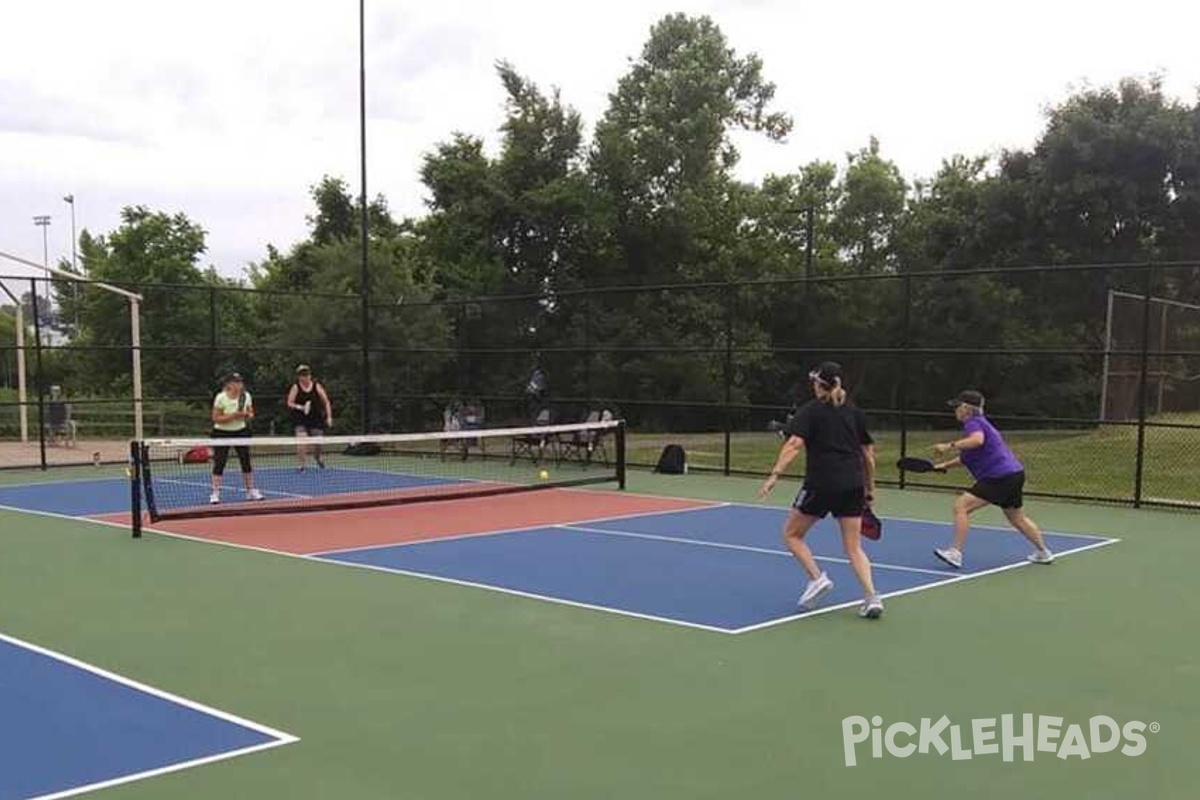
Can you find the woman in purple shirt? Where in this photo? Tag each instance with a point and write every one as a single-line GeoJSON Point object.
{"type": "Point", "coordinates": [999, 479]}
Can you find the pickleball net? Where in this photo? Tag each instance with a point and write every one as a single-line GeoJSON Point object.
{"type": "Point", "coordinates": [173, 478]}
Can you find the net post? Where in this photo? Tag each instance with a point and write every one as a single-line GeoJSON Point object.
{"type": "Point", "coordinates": [135, 487]}
{"type": "Point", "coordinates": [621, 454]}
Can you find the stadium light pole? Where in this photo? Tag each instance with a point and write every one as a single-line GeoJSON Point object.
{"type": "Point", "coordinates": [365, 288]}
{"type": "Point", "coordinates": [70, 200]}
{"type": "Point", "coordinates": [43, 222]}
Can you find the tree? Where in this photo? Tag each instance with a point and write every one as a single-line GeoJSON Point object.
{"type": "Point", "coordinates": [667, 210]}
{"type": "Point", "coordinates": [308, 310]}
{"type": "Point", "coordinates": [872, 202]}
{"type": "Point", "coordinates": [149, 251]}
{"type": "Point", "coordinates": [663, 152]}
{"type": "Point", "coordinates": [1109, 171]}
{"type": "Point", "coordinates": [335, 219]}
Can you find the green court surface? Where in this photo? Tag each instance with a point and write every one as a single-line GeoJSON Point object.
{"type": "Point", "coordinates": [407, 688]}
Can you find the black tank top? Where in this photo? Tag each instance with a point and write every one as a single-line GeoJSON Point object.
{"type": "Point", "coordinates": [315, 418]}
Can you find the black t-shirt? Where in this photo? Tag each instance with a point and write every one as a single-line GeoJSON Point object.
{"type": "Point", "coordinates": [315, 418]}
{"type": "Point", "coordinates": [833, 441]}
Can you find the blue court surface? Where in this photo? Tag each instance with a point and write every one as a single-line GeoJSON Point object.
{"type": "Point", "coordinates": [68, 728]}
{"type": "Point", "coordinates": [721, 568]}
{"type": "Point", "coordinates": [190, 486]}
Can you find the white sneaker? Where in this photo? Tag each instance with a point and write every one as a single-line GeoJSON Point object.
{"type": "Point", "coordinates": [1040, 557]}
{"type": "Point", "coordinates": [214, 498]}
{"type": "Point", "coordinates": [951, 555]}
{"type": "Point", "coordinates": [872, 608]}
{"type": "Point", "coordinates": [814, 590]}
{"type": "Point", "coordinates": [255, 494]}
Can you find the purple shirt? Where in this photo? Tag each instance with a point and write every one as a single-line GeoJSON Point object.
{"type": "Point", "coordinates": [994, 459]}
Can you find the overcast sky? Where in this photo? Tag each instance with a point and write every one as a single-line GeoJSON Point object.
{"type": "Point", "coordinates": [228, 110]}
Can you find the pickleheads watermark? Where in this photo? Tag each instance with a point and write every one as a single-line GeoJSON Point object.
{"type": "Point", "coordinates": [1008, 736]}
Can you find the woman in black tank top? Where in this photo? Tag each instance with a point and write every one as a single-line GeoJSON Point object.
{"type": "Point", "coordinates": [311, 412]}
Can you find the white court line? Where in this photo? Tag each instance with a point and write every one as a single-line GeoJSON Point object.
{"type": "Point", "coordinates": [316, 558]}
{"type": "Point", "coordinates": [280, 737]}
{"type": "Point", "coordinates": [562, 601]}
{"type": "Point", "coordinates": [230, 489]}
{"type": "Point", "coordinates": [937, 522]}
{"type": "Point", "coordinates": [747, 548]}
{"type": "Point", "coordinates": [784, 509]}
{"type": "Point", "coordinates": [125, 526]}
{"type": "Point", "coordinates": [652, 495]}
{"type": "Point", "coordinates": [456, 537]}
{"type": "Point", "coordinates": [922, 587]}
{"type": "Point", "coordinates": [320, 557]}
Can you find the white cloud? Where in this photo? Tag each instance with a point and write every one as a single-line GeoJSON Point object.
{"type": "Point", "coordinates": [228, 110]}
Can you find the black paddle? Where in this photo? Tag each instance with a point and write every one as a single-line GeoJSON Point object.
{"type": "Point", "coordinates": [917, 465]}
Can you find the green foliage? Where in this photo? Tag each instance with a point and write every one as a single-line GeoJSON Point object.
{"type": "Point", "coordinates": [149, 251]}
{"type": "Point", "coordinates": [309, 309]}
{"type": "Point", "coordinates": [872, 204]}
{"type": "Point", "coordinates": [651, 200]}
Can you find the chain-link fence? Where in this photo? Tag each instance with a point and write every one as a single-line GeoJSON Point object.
{"type": "Point", "coordinates": [1091, 371]}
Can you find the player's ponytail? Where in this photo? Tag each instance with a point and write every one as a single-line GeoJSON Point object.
{"type": "Point", "coordinates": [831, 392]}
{"type": "Point", "coordinates": [837, 395]}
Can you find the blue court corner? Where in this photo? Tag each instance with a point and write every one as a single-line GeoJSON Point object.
{"type": "Point", "coordinates": [68, 728]}
{"type": "Point", "coordinates": [721, 568]}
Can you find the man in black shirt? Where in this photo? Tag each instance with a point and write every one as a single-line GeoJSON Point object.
{"type": "Point", "coordinates": [839, 480]}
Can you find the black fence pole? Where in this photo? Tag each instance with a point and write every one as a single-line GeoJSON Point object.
{"type": "Point", "coordinates": [1139, 472]}
{"type": "Point", "coordinates": [40, 384]}
{"type": "Point", "coordinates": [727, 415]}
{"type": "Point", "coordinates": [212, 334]}
{"type": "Point", "coordinates": [365, 288]}
{"type": "Point", "coordinates": [587, 349]}
{"type": "Point", "coordinates": [905, 343]}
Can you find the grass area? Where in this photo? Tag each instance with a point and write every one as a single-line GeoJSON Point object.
{"type": "Point", "coordinates": [1098, 463]}
{"type": "Point", "coordinates": [405, 688]}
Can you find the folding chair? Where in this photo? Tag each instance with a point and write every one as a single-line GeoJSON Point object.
{"type": "Point", "coordinates": [582, 446]}
{"type": "Point", "coordinates": [60, 427]}
{"type": "Point", "coordinates": [534, 445]}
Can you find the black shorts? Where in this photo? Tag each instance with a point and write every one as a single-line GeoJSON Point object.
{"type": "Point", "coordinates": [841, 503]}
{"type": "Point", "coordinates": [1007, 491]}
